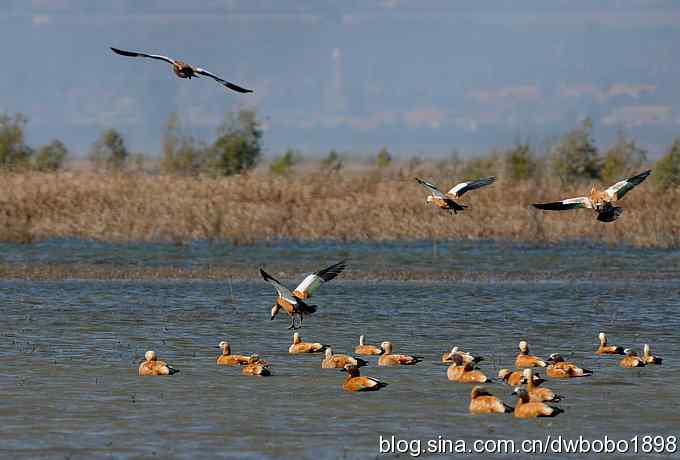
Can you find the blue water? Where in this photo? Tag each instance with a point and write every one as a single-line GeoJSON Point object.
{"type": "Point", "coordinates": [70, 348]}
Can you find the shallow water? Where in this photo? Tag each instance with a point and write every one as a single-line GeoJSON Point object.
{"type": "Point", "coordinates": [70, 349]}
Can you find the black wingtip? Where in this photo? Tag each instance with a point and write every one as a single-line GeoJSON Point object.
{"type": "Point", "coordinates": [122, 52]}
{"type": "Point", "coordinates": [237, 88]}
{"type": "Point", "coordinates": [265, 276]}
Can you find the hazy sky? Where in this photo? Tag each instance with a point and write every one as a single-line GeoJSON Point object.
{"type": "Point", "coordinates": [417, 76]}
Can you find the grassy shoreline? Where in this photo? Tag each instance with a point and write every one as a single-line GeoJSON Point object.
{"type": "Point", "coordinates": [358, 206]}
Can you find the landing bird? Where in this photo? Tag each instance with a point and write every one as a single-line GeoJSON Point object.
{"type": "Point", "coordinates": [599, 201]}
{"type": "Point", "coordinates": [445, 200]}
{"type": "Point", "coordinates": [182, 69]}
{"type": "Point", "coordinates": [293, 302]}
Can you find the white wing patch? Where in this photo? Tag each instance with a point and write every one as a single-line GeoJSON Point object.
{"type": "Point", "coordinates": [611, 191]}
{"type": "Point", "coordinates": [582, 200]}
{"type": "Point", "coordinates": [309, 286]}
{"type": "Point", "coordinates": [164, 58]}
{"type": "Point", "coordinates": [454, 190]}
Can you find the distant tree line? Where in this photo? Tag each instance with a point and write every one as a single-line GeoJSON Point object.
{"type": "Point", "coordinates": [237, 149]}
{"type": "Point", "coordinates": [16, 154]}
{"type": "Point", "coordinates": [574, 158]}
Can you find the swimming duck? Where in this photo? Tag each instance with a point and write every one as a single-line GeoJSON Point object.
{"type": "Point", "coordinates": [537, 393]}
{"type": "Point", "coordinates": [605, 349]}
{"type": "Point", "coordinates": [649, 358]}
{"type": "Point", "coordinates": [467, 357]}
{"type": "Point", "coordinates": [525, 408]}
{"type": "Point", "coordinates": [299, 346]}
{"type": "Point", "coordinates": [631, 359]}
{"type": "Point", "coordinates": [183, 70]}
{"type": "Point", "coordinates": [332, 361]}
{"type": "Point", "coordinates": [355, 382]}
{"type": "Point", "coordinates": [599, 201]}
{"type": "Point", "coordinates": [363, 349]}
{"type": "Point", "coordinates": [524, 359]}
{"type": "Point", "coordinates": [389, 359]}
{"type": "Point", "coordinates": [227, 359]}
{"type": "Point", "coordinates": [256, 366]}
{"type": "Point", "coordinates": [559, 368]}
{"type": "Point", "coordinates": [294, 302]}
{"type": "Point", "coordinates": [446, 200]}
{"type": "Point", "coordinates": [151, 366]}
{"type": "Point", "coordinates": [515, 378]}
{"type": "Point", "coordinates": [483, 402]}
{"type": "Point", "coordinates": [463, 372]}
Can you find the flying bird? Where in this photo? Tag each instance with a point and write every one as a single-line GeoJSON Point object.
{"type": "Point", "coordinates": [599, 201]}
{"type": "Point", "coordinates": [446, 200]}
{"type": "Point", "coordinates": [183, 70]}
{"type": "Point", "coordinates": [294, 302]}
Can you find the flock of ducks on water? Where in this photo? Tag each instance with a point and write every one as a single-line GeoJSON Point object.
{"type": "Point", "coordinates": [533, 397]}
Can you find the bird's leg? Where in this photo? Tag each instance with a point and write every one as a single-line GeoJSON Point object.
{"type": "Point", "coordinates": [292, 323]}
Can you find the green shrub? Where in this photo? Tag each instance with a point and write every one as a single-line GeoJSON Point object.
{"type": "Point", "coordinates": [520, 163]}
{"type": "Point", "coordinates": [575, 157]}
{"type": "Point", "coordinates": [182, 154]}
{"type": "Point", "coordinates": [50, 157]}
{"type": "Point", "coordinates": [109, 152]}
{"type": "Point", "coordinates": [332, 163]}
{"type": "Point", "coordinates": [284, 163]}
{"type": "Point", "coordinates": [384, 159]}
{"type": "Point", "coordinates": [667, 169]}
{"type": "Point", "coordinates": [14, 153]}
{"type": "Point", "coordinates": [623, 159]}
{"type": "Point", "coordinates": [238, 147]}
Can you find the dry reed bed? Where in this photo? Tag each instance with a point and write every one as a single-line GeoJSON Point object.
{"type": "Point", "coordinates": [353, 206]}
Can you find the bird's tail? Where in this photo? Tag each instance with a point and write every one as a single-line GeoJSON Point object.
{"type": "Point", "coordinates": [457, 207]}
{"type": "Point", "coordinates": [307, 309]}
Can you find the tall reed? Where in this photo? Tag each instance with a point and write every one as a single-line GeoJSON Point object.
{"type": "Point", "coordinates": [368, 205]}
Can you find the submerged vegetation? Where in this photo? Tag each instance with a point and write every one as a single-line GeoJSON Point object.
{"type": "Point", "coordinates": [223, 191]}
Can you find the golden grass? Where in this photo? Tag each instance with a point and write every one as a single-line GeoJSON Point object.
{"type": "Point", "coordinates": [312, 206]}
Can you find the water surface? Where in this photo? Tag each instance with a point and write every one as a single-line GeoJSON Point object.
{"type": "Point", "coordinates": [70, 348]}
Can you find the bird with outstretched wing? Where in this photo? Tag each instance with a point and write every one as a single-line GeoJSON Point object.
{"type": "Point", "coordinates": [182, 69]}
{"type": "Point", "coordinates": [293, 302]}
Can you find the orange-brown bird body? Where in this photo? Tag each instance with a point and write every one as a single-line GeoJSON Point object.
{"type": "Point", "coordinates": [367, 350]}
{"type": "Point", "coordinates": [298, 346]}
{"type": "Point", "coordinates": [227, 359]}
{"type": "Point", "coordinates": [152, 366]}
{"type": "Point", "coordinates": [525, 408]}
{"type": "Point", "coordinates": [390, 359]}
{"type": "Point", "coordinates": [356, 382]}
{"type": "Point", "coordinates": [631, 359]}
{"type": "Point", "coordinates": [483, 402]}
{"type": "Point", "coordinates": [605, 349]}
{"type": "Point", "coordinates": [524, 359]}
